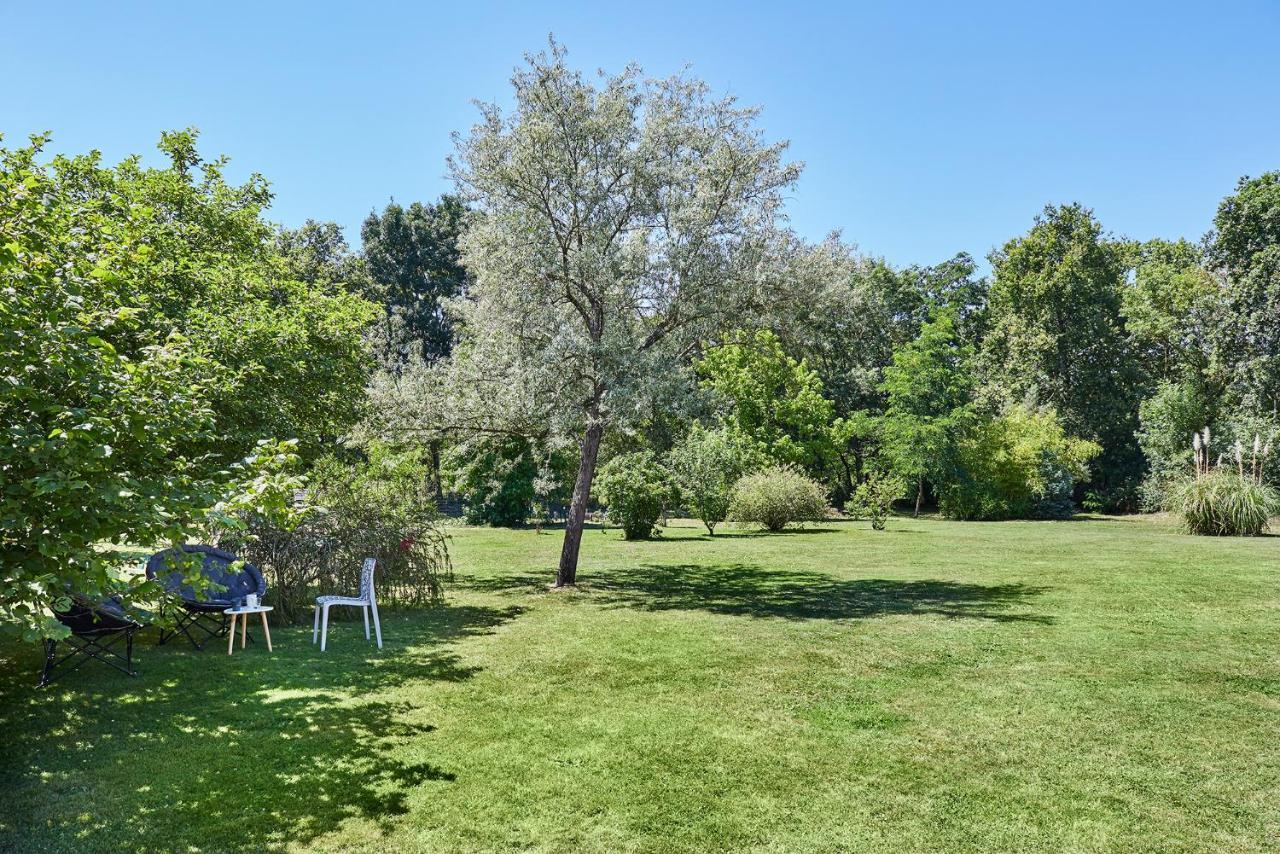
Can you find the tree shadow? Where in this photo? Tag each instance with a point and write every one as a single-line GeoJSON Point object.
{"type": "Point", "coordinates": [746, 590]}
{"type": "Point", "coordinates": [205, 750]}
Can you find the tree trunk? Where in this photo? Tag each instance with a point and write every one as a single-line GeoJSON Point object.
{"type": "Point", "coordinates": [919, 495]}
{"type": "Point", "coordinates": [567, 573]}
{"type": "Point", "coordinates": [435, 472]}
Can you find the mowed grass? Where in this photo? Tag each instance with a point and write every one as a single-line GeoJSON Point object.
{"type": "Point", "coordinates": [1104, 684]}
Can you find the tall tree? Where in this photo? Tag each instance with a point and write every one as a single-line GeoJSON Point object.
{"type": "Point", "coordinates": [1055, 333]}
{"type": "Point", "coordinates": [413, 257]}
{"type": "Point", "coordinates": [928, 387]}
{"type": "Point", "coordinates": [619, 224]}
{"type": "Point", "coordinates": [774, 402]}
{"type": "Point", "coordinates": [1245, 253]}
{"type": "Point", "coordinates": [1168, 308]}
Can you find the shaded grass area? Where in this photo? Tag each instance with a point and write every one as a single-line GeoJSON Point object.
{"type": "Point", "coordinates": [1099, 685]}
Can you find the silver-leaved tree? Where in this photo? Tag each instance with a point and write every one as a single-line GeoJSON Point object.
{"type": "Point", "coordinates": [620, 223]}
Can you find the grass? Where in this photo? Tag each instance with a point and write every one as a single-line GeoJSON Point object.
{"type": "Point", "coordinates": [1106, 684]}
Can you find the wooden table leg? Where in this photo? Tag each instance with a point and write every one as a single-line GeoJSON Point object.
{"type": "Point", "coordinates": [266, 631]}
{"type": "Point", "coordinates": [231, 635]}
{"type": "Point", "coordinates": [244, 629]}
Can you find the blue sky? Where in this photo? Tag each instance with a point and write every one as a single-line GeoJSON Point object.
{"type": "Point", "coordinates": [927, 128]}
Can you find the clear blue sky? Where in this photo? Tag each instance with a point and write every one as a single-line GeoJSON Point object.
{"type": "Point", "coordinates": [926, 128]}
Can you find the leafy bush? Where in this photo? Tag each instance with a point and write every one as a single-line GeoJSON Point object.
{"type": "Point", "coordinates": [874, 498]}
{"type": "Point", "coordinates": [382, 509]}
{"type": "Point", "coordinates": [1221, 503]}
{"type": "Point", "coordinates": [635, 489]}
{"type": "Point", "coordinates": [705, 466]}
{"type": "Point", "coordinates": [777, 497]}
{"type": "Point", "coordinates": [495, 476]}
{"type": "Point", "coordinates": [1166, 419]}
{"type": "Point", "coordinates": [1019, 465]}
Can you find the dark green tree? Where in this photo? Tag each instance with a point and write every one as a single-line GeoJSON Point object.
{"type": "Point", "coordinates": [1056, 334]}
{"type": "Point", "coordinates": [1244, 252]}
{"type": "Point", "coordinates": [413, 258]}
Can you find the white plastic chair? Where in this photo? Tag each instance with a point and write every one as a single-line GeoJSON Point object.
{"type": "Point", "coordinates": [365, 601]}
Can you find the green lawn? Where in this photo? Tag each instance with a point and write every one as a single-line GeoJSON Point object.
{"type": "Point", "coordinates": [1088, 685]}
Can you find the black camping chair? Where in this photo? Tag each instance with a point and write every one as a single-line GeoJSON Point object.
{"type": "Point", "coordinates": [96, 629]}
{"type": "Point", "coordinates": [202, 617]}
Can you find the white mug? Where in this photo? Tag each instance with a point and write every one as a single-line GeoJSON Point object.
{"type": "Point", "coordinates": [251, 601]}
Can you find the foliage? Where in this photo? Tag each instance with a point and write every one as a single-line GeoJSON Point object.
{"type": "Point", "coordinates": [1223, 504]}
{"type": "Point", "coordinates": [382, 508]}
{"type": "Point", "coordinates": [928, 387]}
{"type": "Point", "coordinates": [874, 497]}
{"type": "Point", "coordinates": [185, 252]}
{"type": "Point", "coordinates": [1056, 333]}
{"type": "Point", "coordinates": [1021, 464]}
{"type": "Point", "coordinates": [704, 466]}
{"type": "Point", "coordinates": [635, 488]}
{"type": "Point", "coordinates": [495, 475]}
{"type": "Point", "coordinates": [776, 497]}
{"type": "Point", "coordinates": [1166, 419]}
{"type": "Point", "coordinates": [617, 226]}
{"type": "Point", "coordinates": [1168, 309]}
{"type": "Point", "coordinates": [775, 402]}
{"type": "Point", "coordinates": [414, 260]}
{"type": "Point", "coordinates": [98, 429]}
{"type": "Point", "coordinates": [1245, 254]}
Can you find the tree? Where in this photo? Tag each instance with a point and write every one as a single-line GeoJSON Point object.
{"type": "Point", "coordinates": [1168, 308]}
{"type": "Point", "coordinates": [705, 465]}
{"type": "Point", "coordinates": [95, 437]}
{"type": "Point", "coordinates": [1056, 335]}
{"type": "Point", "coordinates": [317, 253]}
{"type": "Point", "coordinates": [413, 257]}
{"type": "Point", "coordinates": [1244, 252]}
{"type": "Point", "coordinates": [1020, 464]}
{"type": "Point", "coordinates": [774, 402]}
{"type": "Point", "coordinates": [618, 226]}
{"type": "Point", "coordinates": [205, 264]}
{"type": "Point", "coordinates": [928, 388]}
{"type": "Point", "coordinates": [495, 476]}
{"type": "Point", "coordinates": [150, 339]}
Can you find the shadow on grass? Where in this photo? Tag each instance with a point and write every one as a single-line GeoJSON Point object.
{"type": "Point", "coordinates": [204, 750]}
{"type": "Point", "coordinates": [746, 590]}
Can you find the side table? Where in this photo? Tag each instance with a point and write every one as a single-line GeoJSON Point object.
{"type": "Point", "coordinates": [243, 613]}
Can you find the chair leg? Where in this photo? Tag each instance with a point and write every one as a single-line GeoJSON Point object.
{"type": "Point", "coordinates": [315, 626]}
{"type": "Point", "coordinates": [365, 610]}
{"type": "Point", "coordinates": [128, 651]}
{"type": "Point", "coordinates": [377, 623]}
{"type": "Point", "coordinates": [324, 626]}
{"type": "Point", "coordinates": [49, 647]}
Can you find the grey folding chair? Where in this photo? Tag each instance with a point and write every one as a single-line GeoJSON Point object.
{"type": "Point", "coordinates": [366, 601]}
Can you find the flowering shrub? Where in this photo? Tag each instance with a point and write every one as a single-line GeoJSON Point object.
{"type": "Point", "coordinates": [382, 509]}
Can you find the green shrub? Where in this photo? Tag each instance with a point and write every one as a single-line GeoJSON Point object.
{"type": "Point", "coordinates": [705, 466]}
{"type": "Point", "coordinates": [635, 489]}
{"type": "Point", "coordinates": [1221, 503]}
{"type": "Point", "coordinates": [495, 476]}
{"type": "Point", "coordinates": [777, 497]}
{"type": "Point", "coordinates": [1019, 465]}
{"type": "Point", "coordinates": [382, 509]}
{"type": "Point", "coordinates": [874, 498]}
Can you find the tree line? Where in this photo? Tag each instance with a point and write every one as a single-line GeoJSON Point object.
{"type": "Point", "coordinates": [614, 275]}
